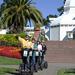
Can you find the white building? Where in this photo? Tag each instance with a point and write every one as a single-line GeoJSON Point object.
{"type": "Point", "coordinates": [63, 27]}
{"type": "Point", "coordinates": [3, 31]}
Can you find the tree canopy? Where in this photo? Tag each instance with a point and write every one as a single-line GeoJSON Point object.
{"type": "Point", "coordinates": [16, 13]}
{"type": "Point", "coordinates": [61, 9]}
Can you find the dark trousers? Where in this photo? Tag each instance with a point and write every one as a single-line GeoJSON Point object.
{"type": "Point", "coordinates": [25, 58]}
{"type": "Point", "coordinates": [33, 57]}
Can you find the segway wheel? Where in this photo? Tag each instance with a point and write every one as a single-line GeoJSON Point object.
{"type": "Point", "coordinates": [46, 65]}
{"type": "Point", "coordinates": [41, 66]}
{"type": "Point", "coordinates": [30, 73]}
{"type": "Point", "coordinates": [32, 69]}
{"type": "Point", "coordinates": [21, 68]}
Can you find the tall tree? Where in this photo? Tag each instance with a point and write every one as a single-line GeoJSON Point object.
{"type": "Point", "coordinates": [16, 13]}
{"type": "Point", "coordinates": [61, 9]}
{"type": "Point", "coordinates": [46, 20]}
{"type": "Point", "coordinates": [52, 16]}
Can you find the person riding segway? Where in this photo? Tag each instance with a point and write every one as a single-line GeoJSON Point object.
{"type": "Point", "coordinates": [44, 49]}
{"type": "Point", "coordinates": [34, 58]}
{"type": "Point", "coordinates": [25, 49]}
{"type": "Point", "coordinates": [42, 39]}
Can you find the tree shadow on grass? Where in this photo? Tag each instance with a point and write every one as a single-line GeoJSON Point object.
{"type": "Point", "coordinates": [70, 71]}
{"type": "Point", "coordinates": [13, 73]}
{"type": "Point", "coordinates": [6, 70]}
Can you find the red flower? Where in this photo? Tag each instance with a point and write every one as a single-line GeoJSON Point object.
{"type": "Point", "coordinates": [9, 51]}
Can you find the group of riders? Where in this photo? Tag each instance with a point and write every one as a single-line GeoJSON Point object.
{"type": "Point", "coordinates": [34, 45]}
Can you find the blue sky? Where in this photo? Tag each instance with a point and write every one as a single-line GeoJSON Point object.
{"type": "Point", "coordinates": [47, 6]}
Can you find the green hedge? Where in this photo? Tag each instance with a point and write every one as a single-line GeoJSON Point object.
{"type": "Point", "coordinates": [10, 39]}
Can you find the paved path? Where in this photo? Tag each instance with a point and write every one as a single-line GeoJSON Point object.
{"type": "Point", "coordinates": [52, 69]}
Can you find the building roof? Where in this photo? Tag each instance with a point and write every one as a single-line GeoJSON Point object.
{"type": "Point", "coordinates": [68, 17]}
{"type": "Point", "coordinates": [69, 3]}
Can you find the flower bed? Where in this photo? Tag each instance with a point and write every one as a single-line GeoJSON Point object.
{"type": "Point", "coordinates": [10, 51]}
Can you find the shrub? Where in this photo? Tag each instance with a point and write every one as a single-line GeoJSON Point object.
{"type": "Point", "coordinates": [23, 34]}
{"type": "Point", "coordinates": [10, 39]}
{"type": "Point", "coordinates": [10, 51]}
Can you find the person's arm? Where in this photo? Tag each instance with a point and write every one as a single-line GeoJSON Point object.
{"type": "Point", "coordinates": [21, 39]}
{"type": "Point", "coordinates": [22, 42]}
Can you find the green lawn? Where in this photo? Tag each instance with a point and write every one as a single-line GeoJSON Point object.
{"type": "Point", "coordinates": [66, 72]}
{"type": "Point", "coordinates": [9, 61]}
{"type": "Point", "coordinates": [4, 70]}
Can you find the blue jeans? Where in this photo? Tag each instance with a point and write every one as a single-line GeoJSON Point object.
{"type": "Point", "coordinates": [33, 57]}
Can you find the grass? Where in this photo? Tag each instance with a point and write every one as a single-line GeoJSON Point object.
{"type": "Point", "coordinates": [4, 70]}
{"type": "Point", "coordinates": [9, 61]}
{"type": "Point", "coordinates": [66, 72]}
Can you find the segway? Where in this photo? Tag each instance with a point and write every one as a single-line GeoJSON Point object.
{"type": "Point", "coordinates": [34, 67]}
{"type": "Point", "coordinates": [31, 66]}
{"type": "Point", "coordinates": [38, 60]}
{"type": "Point", "coordinates": [23, 68]}
{"type": "Point", "coordinates": [42, 63]}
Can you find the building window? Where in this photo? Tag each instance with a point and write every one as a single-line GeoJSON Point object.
{"type": "Point", "coordinates": [74, 18]}
{"type": "Point", "coordinates": [70, 35]}
{"type": "Point", "coordinates": [66, 25]}
{"type": "Point", "coordinates": [55, 26]}
{"type": "Point", "coordinates": [70, 25]}
{"type": "Point", "coordinates": [74, 35]}
{"type": "Point", "coordinates": [73, 25]}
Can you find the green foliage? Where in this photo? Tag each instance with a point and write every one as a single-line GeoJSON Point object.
{"type": "Point", "coordinates": [52, 16]}
{"type": "Point", "coordinates": [46, 21]}
{"type": "Point", "coordinates": [61, 72]}
{"type": "Point", "coordinates": [10, 39]}
{"type": "Point", "coordinates": [15, 14]}
{"type": "Point", "coordinates": [9, 61]}
{"type": "Point", "coordinates": [23, 34]}
{"type": "Point", "coordinates": [61, 8]}
{"type": "Point", "coordinates": [66, 72]}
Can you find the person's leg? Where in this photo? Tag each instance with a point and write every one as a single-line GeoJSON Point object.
{"type": "Point", "coordinates": [23, 57]}
{"type": "Point", "coordinates": [36, 59]}
{"type": "Point", "coordinates": [39, 58]}
{"type": "Point", "coordinates": [33, 57]}
{"type": "Point", "coordinates": [42, 55]}
{"type": "Point", "coordinates": [28, 56]}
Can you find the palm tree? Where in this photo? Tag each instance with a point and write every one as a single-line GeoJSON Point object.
{"type": "Point", "coordinates": [60, 10]}
{"type": "Point", "coordinates": [16, 13]}
{"type": "Point", "coordinates": [46, 21]}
